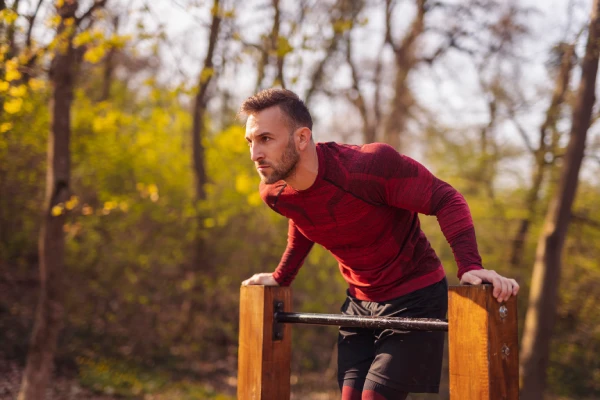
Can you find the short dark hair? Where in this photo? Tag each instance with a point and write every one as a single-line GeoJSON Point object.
{"type": "Point", "coordinates": [295, 110]}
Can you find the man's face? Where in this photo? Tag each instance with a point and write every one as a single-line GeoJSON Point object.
{"type": "Point", "coordinates": [272, 146]}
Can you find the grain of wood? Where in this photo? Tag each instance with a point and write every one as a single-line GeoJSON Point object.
{"type": "Point", "coordinates": [483, 345]}
{"type": "Point", "coordinates": [263, 363]}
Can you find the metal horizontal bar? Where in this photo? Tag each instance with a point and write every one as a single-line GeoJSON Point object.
{"type": "Point", "coordinates": [406, 324]}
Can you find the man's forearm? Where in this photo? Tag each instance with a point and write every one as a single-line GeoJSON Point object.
{"type": "Point", "coordinates": [291, 261]}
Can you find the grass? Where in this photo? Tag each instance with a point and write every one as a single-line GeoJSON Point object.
{"type": "Point", "coordinates": [123, 379]}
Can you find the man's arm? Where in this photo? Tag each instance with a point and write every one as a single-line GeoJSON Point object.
{"type": "Point", "coordinates": [298, 247]}
{"type": "Point", "coordinates": [411, 186]}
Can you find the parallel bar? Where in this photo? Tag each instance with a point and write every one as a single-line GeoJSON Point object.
{"type": "Point", "coordinates": [407, 324]}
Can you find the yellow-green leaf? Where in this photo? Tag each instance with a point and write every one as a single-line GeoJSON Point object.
{"type": "Point", "coordinates": [13, 106]}
{"type": "Point", "coordinates": [5, 127]}
{"type": "Point", "coordinates": [57, 210]}
{"type": "Point", "coordinates": [72, 203]}
{"type": "Point", "coordinates": [36, 84]}
{"type": "Point", "coordinates": [9, 16]}
{"type": "Point", "coordinates": [12, 72]}
{"type": "Point", "coordinates": [110, 205]}
{"type": "Point", "coordinates": [206, 74]}
{"type": "Point", "coordinates": [18, 91]}
{"type": "Point", "coordinates": [94, 54]}
{"type": "Point", "coordinates": [209, 223]}
{"type": "Point", "coordinates": [84, 37]}
{"type": "Point", "coordinates": [283, 46]}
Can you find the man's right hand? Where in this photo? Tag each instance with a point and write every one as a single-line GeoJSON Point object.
{"type": "Point", "coordinates": [264, 278]}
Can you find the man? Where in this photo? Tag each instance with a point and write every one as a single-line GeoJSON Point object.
{"type": "Point", "coordinates": [362, 204]}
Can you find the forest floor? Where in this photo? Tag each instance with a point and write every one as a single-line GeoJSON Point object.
{"type": "Point", "coordinates": [62, 388]}
{"type": "Point", "coordinates": [67, 387]}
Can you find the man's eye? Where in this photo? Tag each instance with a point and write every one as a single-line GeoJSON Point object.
{"type": "Point", "coordinates": [265, 139]}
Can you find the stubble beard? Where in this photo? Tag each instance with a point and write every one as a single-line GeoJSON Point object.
{"type": "Point", "coordinates": [286, 166]}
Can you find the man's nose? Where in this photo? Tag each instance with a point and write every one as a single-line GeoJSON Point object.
{"type": "Point", "coordinates": [256, 153]}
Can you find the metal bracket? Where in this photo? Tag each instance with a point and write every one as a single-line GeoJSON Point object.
{"type": "Point", "coordinates": [277, 326]}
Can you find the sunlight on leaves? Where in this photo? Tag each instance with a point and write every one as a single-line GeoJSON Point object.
{"type": "Point", "coordinates": [5, 127]}
{"type": "Point", "coordinates": [72, 203]}
{"type": "Point", "coordinates": [94, 55]}
{"type": "Point", "coordinates": [57, 210]}
{"type": "Point", "coordinates": [13, 106]}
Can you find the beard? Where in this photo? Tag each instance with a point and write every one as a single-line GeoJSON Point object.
{"type": "Point", "coordinates": [285, 167]}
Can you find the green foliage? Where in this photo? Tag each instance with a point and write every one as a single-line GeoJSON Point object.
{"type": "Point", "coordinates": [23, 134]}
{"type": "Point", "coordinates": [114, 377]}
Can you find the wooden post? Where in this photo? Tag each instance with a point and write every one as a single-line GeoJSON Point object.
{"type": "Point", "coordinates": [264, 353]}
{"type": "Point", "coordinates": [483, 345]}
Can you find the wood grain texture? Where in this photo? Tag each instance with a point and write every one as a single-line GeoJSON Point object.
{"type": "Point", "coordinates": [483, 346]}
{"type": "Point", "coordinates": [504, 350]}
{"type": "Point", "coordinates": [468, 343]}
{"type": "Point", "coordinates": [263, 363]}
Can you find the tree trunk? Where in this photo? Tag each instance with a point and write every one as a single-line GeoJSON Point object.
{"type": "Point", "coordinates": [355, 96]}
{"type": "Point", "coordinates": [271, 49]}
{"type": "Point", "coordinates": [109, 65]}
{"type": "Point", "coordinates": [279, 54]}
{"type": "Point", "coordinates": [49, 314]}
{"type": "Point", "coordinates": [200, 104]}
{"type": "Point", "coordinates": [341, 12]}
{"type": "Point", "coordinates": [539, 172]}
{"type": "Point", "coordinates": [198, 132]}
{"type": "Point", "coordinates": [11, 29]}
{"type": "Point", "coordinates": [405, 62]}
{"type": "Point", "coordinates": [543, 297]}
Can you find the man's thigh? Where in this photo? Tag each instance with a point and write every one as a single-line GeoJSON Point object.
{"type": "Point", "coordinates": [411, 361]}
{"type": "Point", "coordinates": [404, 361]}
{"type": "Point", "coordinates": [356, 352]}
{"type": "Point", "coordinates": [408, 361]}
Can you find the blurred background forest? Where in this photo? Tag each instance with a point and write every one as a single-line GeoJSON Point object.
{"type": "Point", "coordinates": [129, 211]}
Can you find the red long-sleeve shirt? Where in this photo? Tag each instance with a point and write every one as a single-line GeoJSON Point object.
{"type": "Point", "coordinates": [363, 207]}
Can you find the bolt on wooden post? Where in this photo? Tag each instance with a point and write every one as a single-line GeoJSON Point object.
{"type": "Point", "coordinates": [483, 345]}
{"type": "Point", "coordinates": [264, 346]}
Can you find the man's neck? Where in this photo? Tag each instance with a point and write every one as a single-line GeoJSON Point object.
{"type": "Point", "coordinates": [306, 170]}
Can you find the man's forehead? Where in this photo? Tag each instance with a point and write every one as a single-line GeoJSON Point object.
{"type": "Point", "coordinates": [269, 118]}
{"type": "Point", "coordinates": [251, 124]}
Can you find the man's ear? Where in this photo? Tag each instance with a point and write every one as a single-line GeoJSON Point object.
{"type": "Point", "coordinates": [303, 137]}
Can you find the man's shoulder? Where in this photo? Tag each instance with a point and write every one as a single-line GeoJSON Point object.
{"type": "Point", "coordinates": [360, 170]}
{"type": "Point", "coordinates": [357, 158]}
{"type": "Point", "coordinates": [354, 150]}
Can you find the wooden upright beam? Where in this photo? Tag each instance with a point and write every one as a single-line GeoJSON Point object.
{"type": "Point", "coordinates": [483, 345]}
{"type": "Point", "coordinates": [264, 353]}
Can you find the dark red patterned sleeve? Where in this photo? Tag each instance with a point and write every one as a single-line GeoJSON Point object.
{"type": "Point", "coordinates": [411, 186]}
{"type": "Point", "coordinates": [298, 247]}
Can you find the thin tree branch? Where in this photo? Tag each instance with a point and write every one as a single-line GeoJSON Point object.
{"type": "Point", "coordinates": [389, 8]}
{"type": "Point", "coordinates": [97, 4]}
{"type": "Point", "coordinates": [10, 33]}
{"type": "Point", "coordinates": [356, 97]}
{"type": "Point", "coordinates": [585, 220]}
{"type": "Point", "coordinates": [31, 19]}
{"type": "Point", "coordinates": [521, 131]}
{"type": "Point", "coordinates": [333, 45]}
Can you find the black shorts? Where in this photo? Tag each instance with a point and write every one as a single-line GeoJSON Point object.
{"type": "Point", "coordinates": [404, 361]}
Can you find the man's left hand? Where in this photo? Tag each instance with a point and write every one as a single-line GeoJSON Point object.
{"type": "Point", "coordinates": [503, 287]}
